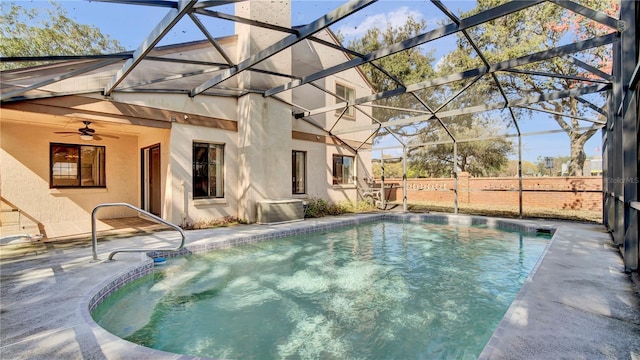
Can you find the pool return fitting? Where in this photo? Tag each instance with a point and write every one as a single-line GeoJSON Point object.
{"type": "Point", "coordinates": [94, 236]}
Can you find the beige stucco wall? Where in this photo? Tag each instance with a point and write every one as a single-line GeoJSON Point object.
{"type": "Point", "coordinates": [316, 169]}
{"type": "Point", "coordinates": [264, 126]}
{"type": "Point", "coordinates": [265, 152]}
{"type": "Point", "coordinates": [310, 56]}
{"type": "Point", "coordinates": [320, 171]}
{"type": "Point", "coordinates": [179, 202]}
{"type": "Point", "coordinates": [253, 40]}
{"type": "Point", "coordinates": [24, 178]}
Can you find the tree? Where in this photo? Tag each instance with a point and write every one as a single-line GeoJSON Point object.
{"type": "Point", "coordinates": [535, 29]}
{"type": "Point", "coordinates": [392, 168]}
{"type": "Point", "coordinates": [528, 169]}
{"type": "Point", "coordinates": [409, 66]}
{"type": "Point", "coordinates": [44, 32]}
{"type": "Point", "coordinates": [478, 157]}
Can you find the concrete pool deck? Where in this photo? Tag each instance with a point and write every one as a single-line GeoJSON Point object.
{"type": "Point", "coordinates": [579, 304]}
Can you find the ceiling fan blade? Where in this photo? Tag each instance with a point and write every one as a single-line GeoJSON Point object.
{"type": "Point", "coordinates": [87, 132]}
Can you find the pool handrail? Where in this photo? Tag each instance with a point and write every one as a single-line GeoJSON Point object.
{"type": "Point", "coordinates": [94, 236]}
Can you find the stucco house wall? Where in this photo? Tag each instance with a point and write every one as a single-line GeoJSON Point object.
{"type": "Point", "coordinates": [24, 179]}
{"type": "Point", "coordinates": [310, 57]}
{"type": "Point", "coordinates": [259, 134]}
{"type": "Point", "coordinates": [182, 208]}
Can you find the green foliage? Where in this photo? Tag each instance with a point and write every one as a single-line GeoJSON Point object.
{"type": "Point", "coordinates": [392, 169]}
{"type": "Point", "coordinates": [528, 169]}
{"type": "Point", "coordinates": [478, 158]}
{"type": "Point", "coordinates": [46, 32]}
{"type": "Point", "coordinates": [357, 207]}
{"type": "Point", "coordinates": [412, 66]}
{"type": "Point", "coordinates": [409, 67]}
{"type": "Point", "coordinates": [214, 223]}
{"type": "Point", "coordinates": [317, 207]}
{"type": "Point", "coordinates": [535, 29]}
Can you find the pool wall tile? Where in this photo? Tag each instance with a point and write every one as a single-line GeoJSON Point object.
{"type": "Point", "coordinates": [113, 284]}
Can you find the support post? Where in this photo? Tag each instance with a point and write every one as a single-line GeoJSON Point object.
{"type": "Point", "coordinates": [455, 177]}
{"type": "Point", "coordinates": [616, 160]}
{"type": "Point", "coordinates": [382, 197]}
{"type": "Point", "coordinates": [629, 145]}
{"type": "Point", "coordinates": [520, 175]}
{"type": "Point", "coordinates": [404, 179]}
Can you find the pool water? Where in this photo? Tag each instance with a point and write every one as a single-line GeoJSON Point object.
{"type": "Point", "coordinates": [386, 290]}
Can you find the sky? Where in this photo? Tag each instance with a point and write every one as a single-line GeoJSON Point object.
{"type": "Point", "coordinates": [130, 24]}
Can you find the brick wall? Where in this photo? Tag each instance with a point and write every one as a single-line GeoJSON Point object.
{"type": "Point", "coordinates": [577, 193]}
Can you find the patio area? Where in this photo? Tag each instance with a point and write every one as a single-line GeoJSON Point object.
{"type": "Point", "coordinates": [578, 304]}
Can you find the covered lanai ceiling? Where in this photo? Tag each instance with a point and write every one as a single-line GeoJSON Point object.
{"type": "Point", "coordinates": [195, 76]}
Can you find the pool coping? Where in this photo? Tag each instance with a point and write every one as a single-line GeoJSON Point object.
{"type": "Point", "coordinates": [503, 325]}
{"type": "Point", "coordinates": [107, 287]}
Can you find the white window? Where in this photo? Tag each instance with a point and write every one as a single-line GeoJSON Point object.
{"type": "Point", "coordinates": [76, 166]}
{"type": "Point", "coordinates": [348, 94]}
{"type": "Point", "coordinates": [342, 169]}
{"type": "Point", "coordinates": [208, 170]}
{"type": "Point", "coordinates": [299, 173]}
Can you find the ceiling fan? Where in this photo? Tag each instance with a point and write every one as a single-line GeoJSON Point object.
{"type": "Point", "coordinates": [87, 133]}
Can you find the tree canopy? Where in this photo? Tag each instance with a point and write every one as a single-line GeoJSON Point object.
{"type": "Point", "coordinates": [406, 67]}
{"type": "Point", "coordinates": [44, 32]}
{"type": "Point", "coordinates": [528, 169]}
{"type": "Point", "coordinates": [414, 65]}
{"type": "Point", "coordinates": [536, 29]}
{"type": "Point", "coordinates": [478, 157]}
{"type": "Point", "coordinates": [392, 168]}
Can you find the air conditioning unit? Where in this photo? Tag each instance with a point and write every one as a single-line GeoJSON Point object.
{"type": "Point", "coordinates": [279, 211]}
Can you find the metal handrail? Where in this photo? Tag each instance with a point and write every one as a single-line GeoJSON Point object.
{"type": "Point", "coordinates": [94, 236]}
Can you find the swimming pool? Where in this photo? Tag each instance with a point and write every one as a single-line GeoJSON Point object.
{"type": "Point", "coordinates": [387, 289]}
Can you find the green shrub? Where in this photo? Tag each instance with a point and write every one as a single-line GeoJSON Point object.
{"type": "Point", "coordinates": [360, 206]}
{"type": "Point", "coordinates": [317, 207]}
{"type": "Point", "coordinates": [334, 209]}
{"type": "Point", "coordinates": [214, 223]}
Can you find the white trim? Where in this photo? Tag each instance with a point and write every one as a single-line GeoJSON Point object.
{"type": "Point", "coordinates": [206, 202]}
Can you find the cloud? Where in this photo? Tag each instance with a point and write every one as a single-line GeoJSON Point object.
{"type": "Point", "coordinates": [393, 18]}
{"type": "Point", "coordinates": [439, 63]}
